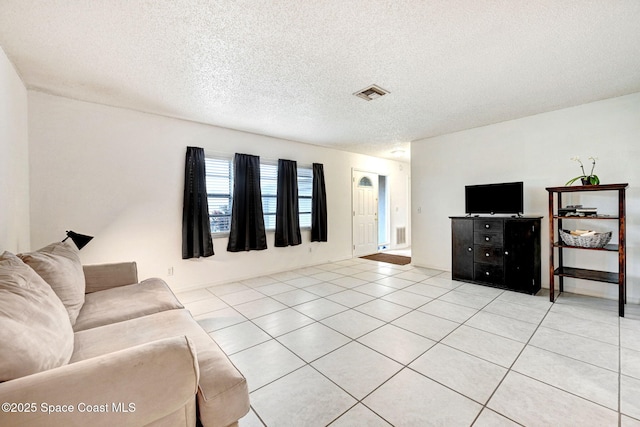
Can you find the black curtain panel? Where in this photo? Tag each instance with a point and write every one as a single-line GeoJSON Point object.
{"type": "Point", "coordinates": [318, 205]}
{"type": "Point", "coordinates": [287, 212]}
{"type": "Point", "coordinates": [196, 231]}
{"type": "Point", "coordinates": [247, 220]}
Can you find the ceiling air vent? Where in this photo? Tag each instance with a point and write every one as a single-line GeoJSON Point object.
{"type": "Point", "coordinates": [371, 93]}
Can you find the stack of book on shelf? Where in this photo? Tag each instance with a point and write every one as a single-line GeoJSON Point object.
{"type": "Point", "coordinates": [587, 211]}
{"type": "Point", "coordinates": [577, 210]}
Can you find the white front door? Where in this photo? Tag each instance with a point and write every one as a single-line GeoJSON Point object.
{"type": "Point", "coordinates": [365, 213]}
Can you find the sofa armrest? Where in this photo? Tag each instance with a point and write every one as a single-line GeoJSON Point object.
{"type": "Point", "coordinates": [131, 387]}
{"type": "Point", "coordinates": [99, 277]}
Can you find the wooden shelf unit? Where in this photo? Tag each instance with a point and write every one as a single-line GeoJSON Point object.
{"type": "Point", "coordinates": [555, 225]}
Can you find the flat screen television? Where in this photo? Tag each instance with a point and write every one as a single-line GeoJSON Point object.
{"type": "Point", "coordinates": [502, 198]}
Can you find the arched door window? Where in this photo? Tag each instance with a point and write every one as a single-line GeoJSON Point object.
{"type": "Point", "coordinates": [365, 182]}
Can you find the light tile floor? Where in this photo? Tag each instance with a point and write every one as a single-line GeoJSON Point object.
{"type": "Point", "coordinates": [362, 343]}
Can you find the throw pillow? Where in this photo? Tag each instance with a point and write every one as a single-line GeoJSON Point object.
{"type": "Point", "coordinates": [59, 265]}
{"type": "Point", "coordinates": [34, 326]}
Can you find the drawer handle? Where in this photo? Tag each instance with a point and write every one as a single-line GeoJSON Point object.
{"type": "Point", "coordinates": [506, 252]}
{"type": "Point", "coordinates": [486, 238]}
{"type": "Point", "coordinates": [486, 272]}
{"type": "Point", "coordinates": [486, 226]}
{"type": "Point", "coordinates": [469, 249]}
{"type": "Point", "coordinates": [487, 254]}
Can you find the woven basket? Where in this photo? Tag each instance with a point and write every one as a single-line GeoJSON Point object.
{"type": "Point", "coordinates": [598, 240]}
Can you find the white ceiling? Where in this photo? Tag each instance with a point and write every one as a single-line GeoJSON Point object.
{"type": "Point", "coordinates": [289, 68]}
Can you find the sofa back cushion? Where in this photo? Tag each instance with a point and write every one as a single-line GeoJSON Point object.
{"type": "Point", "coordinates": [59, 265]}
{"type": "Point", "coordinates": [35, 332]}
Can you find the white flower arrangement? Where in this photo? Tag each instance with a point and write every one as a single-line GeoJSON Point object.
{"type": "Point", "coordinates": [590, 179]}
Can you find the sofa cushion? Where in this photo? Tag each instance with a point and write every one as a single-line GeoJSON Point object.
{"type": "Point", "coordinates": [223, 396]}
{"type": "Point", "coordinates": [35, 333]}
{"type": "Point", "coordinates": [99, 277]}
{"type": "Point", "coordinates": [59, 265]}
{"type": "Point", "coordinates": [124, 303]}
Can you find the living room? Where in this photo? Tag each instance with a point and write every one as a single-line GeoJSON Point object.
{"type": "Point", "coordinates": [116, 172]}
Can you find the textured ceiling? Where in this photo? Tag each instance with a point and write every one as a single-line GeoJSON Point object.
{"type": "Point", "coordinates": [289, 68]}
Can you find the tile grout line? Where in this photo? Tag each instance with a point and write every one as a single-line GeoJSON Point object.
{"type": "Point", "coordinates": [389, 322]}
{"type": "Point", "coordinates": [484, 406]}
{"type": "Point", "coordinates": [351, 340]}
{"type": "Point", "coordinates": [309, 364]}
{"type": "Point", "coordinates": [406, 366]}
{"type": "Point", "coordinates": [543, 382]}
{"type": "Point", "coordinates": [403, 366]}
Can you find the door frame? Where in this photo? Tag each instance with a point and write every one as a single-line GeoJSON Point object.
{"type": "Point", "coordinates": [384, 218]}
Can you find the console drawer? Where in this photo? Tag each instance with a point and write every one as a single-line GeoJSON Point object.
{"type": "Point", "coordinates": [489, 273]}
{"type": "Point", "coordinates": [487, 238]}
{"type": "Point", "coordinates": [488, 254]}
{"type": "Point", "coordinates": [487, 224]}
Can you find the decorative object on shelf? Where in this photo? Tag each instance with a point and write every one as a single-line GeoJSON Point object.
{"type": "Point", "coordinates": [590, 179]}
{"type": "Point", "coordinates": [585, 238]}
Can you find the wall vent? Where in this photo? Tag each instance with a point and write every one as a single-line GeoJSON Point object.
{"type": "Point", "coordinates": [371, 93]}
{"type": "Point", "coordinates": [401, 235]}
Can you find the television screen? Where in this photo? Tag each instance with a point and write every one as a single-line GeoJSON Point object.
{"type": "Point", "coordinates": [503, 198]}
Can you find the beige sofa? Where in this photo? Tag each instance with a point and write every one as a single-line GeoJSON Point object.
{"type": "Point", "coordinates": [136, 356]}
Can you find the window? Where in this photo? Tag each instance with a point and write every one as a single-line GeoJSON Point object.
{"type": "Point", "coordinates": [365, 182]}
{"type": "Point", "coordinates": [269, 188]}
{"type": "Point", "coordinates": [219, 179]}
{"type": "Point", "coordinates": [219, 176]}
{"type": "Point", "coordinates": [305, 190]}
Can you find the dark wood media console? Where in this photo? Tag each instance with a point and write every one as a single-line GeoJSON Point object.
{"type": "Point", "coordinates": [502, 252]}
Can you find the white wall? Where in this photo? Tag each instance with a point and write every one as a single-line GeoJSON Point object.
{"type": "Point", "coordinates": [536, 150]}
{"type": "Point", "coordinates": [14, 160]}
{"type": "Point", "coordinates": [118, 175]}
